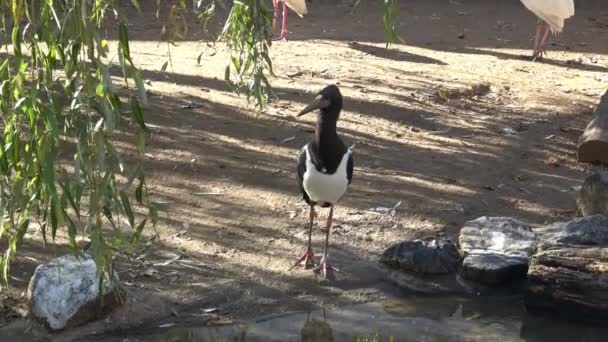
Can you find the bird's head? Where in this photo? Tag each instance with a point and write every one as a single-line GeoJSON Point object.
{"type": "Point", "coordinates": [328, 100]}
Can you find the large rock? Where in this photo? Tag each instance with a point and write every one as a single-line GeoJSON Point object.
{"type": "Point", "coordinates": [569, 274]}
{"type": "Point", "coordinates": [572, 281]}
{"type": "Point", "coordinates": [583, 231]}
{"type": "Point", "coordinates": [65, 292]}
{"type": "Point", "coordinates": [593, 143]}
{"type": "Point", "coordinates": [592, 198]}
{"type": "Point", "coordinates": [496, 249]}
{"type": "Point", "coordinates": [492, 269]}
{"type": "Point", "coordinates": [428, 257]}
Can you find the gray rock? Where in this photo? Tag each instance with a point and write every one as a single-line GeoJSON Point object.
{"type": "Point", "coordinates": [497, 249]}
{"type": "Point", "coordinates": [571, 281]}
{"type": "Point", "coordinates": [65, 292]}
{"type": "Point", "coordinates": [569, 273]}
{"type": "Point", "coordinates": [583, 231]}
{"type": "Point", "coordinates": [592, 198]}
{"type": "Point", "coordinates": [494, 269]}
{"type": "Point", "coordinates": [428, 257]}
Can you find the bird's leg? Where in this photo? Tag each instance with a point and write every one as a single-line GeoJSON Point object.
{"type": "Point", "coordinates": [307, 259]}
{"type": "Point", "coordinates": [539, 26]}
{"type": "Point", "coordinates": [283, 35]}
{"type": "Point", "coordinates": [541, 46]}
{"type": "Point", "coordinates": [275, 3]}
{"type": "Point", "coordinates": [324, 267]}
{"type": "Point", "coordinates": [284, 29]}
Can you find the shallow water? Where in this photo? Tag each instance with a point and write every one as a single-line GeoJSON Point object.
{"type": "Point", "coordinates": [419, 319]}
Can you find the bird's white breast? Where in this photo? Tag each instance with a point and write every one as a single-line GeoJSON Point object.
{"type": "Point", "coordinates": [322, 187]}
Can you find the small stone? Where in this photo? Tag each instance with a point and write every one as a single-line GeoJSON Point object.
{"type": "Point", "coordinates": [429, 257]}
{"type": "Point", "coordinates": [497, 249]}
{"type": "Point", "coordinates": [592, 198]}
{"type": "Point", "coordinates": [65, 292]}
{"type": "Point", "coordinates": [294, 73]}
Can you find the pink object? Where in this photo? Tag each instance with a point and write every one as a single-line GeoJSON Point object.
{"type": "Point", "coordinates": [307, 260]}
{"type": "Point", "coordinates": [298, 6]}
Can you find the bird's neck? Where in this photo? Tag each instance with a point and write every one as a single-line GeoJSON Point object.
{"type": "Point", "coordinates": [326, 129]}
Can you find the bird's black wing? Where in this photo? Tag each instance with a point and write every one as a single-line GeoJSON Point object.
{"type": "Point", "coordinates": [349, 167]}
{"type": "Point", "coordinates": [301, 172]}
{"type": "Point", "coordinates": [301, 167]}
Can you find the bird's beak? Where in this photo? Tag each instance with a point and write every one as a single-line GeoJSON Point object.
{"type": "Point", "coordinates": [318, 103]}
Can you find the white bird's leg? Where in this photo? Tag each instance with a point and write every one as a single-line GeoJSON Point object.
{"type": "Point", "coordinates": [284, 29]}
{"type": "Point", "coordinates": [539, 26]}
{"type": "Point", "coordinates": [308, 258]}
{"type": "Point", "coordinates": [283, 35]}
{"type": "Point", "coordinates": [324, 266]}
{"type": "Point", "coordinates": [275, 3]}
{"type": "Point", "coordinates": [541, 46]}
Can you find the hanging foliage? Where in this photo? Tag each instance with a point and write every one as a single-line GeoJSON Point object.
{"type": "Point", "coordinates": [59, 168]}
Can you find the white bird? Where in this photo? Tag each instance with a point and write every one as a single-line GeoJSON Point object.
{"type": "Point", "coordinates": [298, 6]}
{"type": "Point", "coordinates": [553, 13]}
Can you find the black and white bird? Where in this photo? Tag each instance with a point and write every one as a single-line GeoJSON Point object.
{"type": "Point", "coordinates": [325, 169]}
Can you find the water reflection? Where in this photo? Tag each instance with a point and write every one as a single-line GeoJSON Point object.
{"type": "Point", "coordinates": [420, 319]}
{"type": "Point", "coordinates": [317, 331]}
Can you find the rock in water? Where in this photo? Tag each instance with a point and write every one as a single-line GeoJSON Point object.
{"type": "Point", "coordinates": [492, 269]}
{"type": "Point", "coordinates": [428, 257]}
{"type": "Point", "coordinates": [65, 292]}
{"type": "Point", "coordinates": [569, 274]}
{"type": "Point", "coordinates": [593, 197]}
{"type": "Point", "coordinates": [571, 281]}
{"type": "Point", "coordinates": [496, 249]}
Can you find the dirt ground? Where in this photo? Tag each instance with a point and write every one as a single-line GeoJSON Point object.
{"type": "Point", "coordinates": [225, 178]}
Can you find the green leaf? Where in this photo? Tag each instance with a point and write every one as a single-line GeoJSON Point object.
{"type": "Point", "coordinates": [4, 269]}
{"type": "Point", "coordinates": [139, 190]}
{"type": "Point", "coordinates": [108, 214]}
{"type": "Point", "coordinates": [72, 231]}
{"type": "Point", "coordinates": [123, 39]}
{"type": "Point", "coordinates": [137, 234]}
{"type": "Point", "coordinates": [126, 205]}
{"type": "Point", "coordinates": [54, 219]}
{"type": "Point", "coordinates": [43, 226]}
{"type": "Point", "coordinates": [389, 19]}
{"type": "Point", "coordinates": [153, 213]}
{"type": "Point", "coordinates": [136, 4]}
{"type": "Point", "coordinates": [65, 186]}
{"type": "Point", "coordinates": [138, 115]}
{"type": "Point", "coordinates": [25, 222]}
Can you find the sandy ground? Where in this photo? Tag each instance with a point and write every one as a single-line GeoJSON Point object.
{"type": "Point", "coordinates": [225, 178]}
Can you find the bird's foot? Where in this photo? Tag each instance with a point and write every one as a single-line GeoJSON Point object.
{"type": "Point", "coordinates": [307, 260]}
{"type": "Point", "coordinates": [538, 55]}
{"type": "Point", "coordinates": [325, 269]}
{"type": "Point", "coordinates": [282, 36]}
